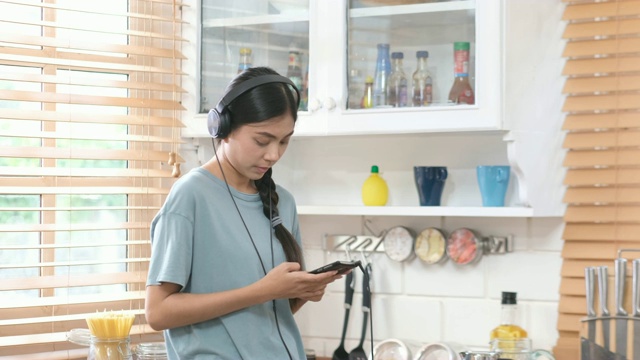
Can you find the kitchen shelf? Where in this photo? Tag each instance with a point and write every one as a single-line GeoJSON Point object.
{"type": "Point", "coordinates": [290, 17]}
{"type": "Point", "coordinates": [460, 211]}
{"type": "Point", "coordinates": [411, 9]}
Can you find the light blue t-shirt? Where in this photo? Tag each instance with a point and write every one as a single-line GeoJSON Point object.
{"type": "Point", "coordinates": [199, 242]}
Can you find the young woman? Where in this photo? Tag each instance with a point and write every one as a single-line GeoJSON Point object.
{"type": "Point", "coordinates": [226, 271]}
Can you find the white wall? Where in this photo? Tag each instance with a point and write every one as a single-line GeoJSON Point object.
{"type": "Point", "coordinates": [443, 302]}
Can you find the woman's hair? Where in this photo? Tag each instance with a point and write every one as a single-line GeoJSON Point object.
{"type": "Point", "coordinates": [262, 103]}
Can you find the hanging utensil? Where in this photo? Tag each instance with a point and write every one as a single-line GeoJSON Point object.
{"type": "Point", "coordinates": [358, 352]}
{"type": "Point", "coordinates": [341, 353]}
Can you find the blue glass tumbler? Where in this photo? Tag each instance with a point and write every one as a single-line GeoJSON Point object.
{"type": "Point", "coordinates": [430, 183]}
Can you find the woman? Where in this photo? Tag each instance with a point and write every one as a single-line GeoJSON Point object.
{"type": "Point", "coordinates": [226, 271]}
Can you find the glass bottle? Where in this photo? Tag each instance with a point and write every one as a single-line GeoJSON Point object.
{"type": "Point", "coordinates": [508, 329]}
{"type": "Point", "coordinates": [367, 99]}
{"type": "Point", "coordinates": [294, 70]}
{"type": "Point", "coordinates": [380, 82]}
{"type": "Point", "coordinates": [356, 87]}
{"type": "Point", "coordinates": [422, 82]}
{"type": "Point", "coordinates": [461, 91]}
{"type": "Point", "coordinates": [245, 59]}
{"type": "Point", "coordinates": [304, 101]}
{"type": "Point", "coordinates": [397, 90]}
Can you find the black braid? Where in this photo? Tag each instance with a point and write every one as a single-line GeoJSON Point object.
{"type": "Point", "coordinates": [289, 244]}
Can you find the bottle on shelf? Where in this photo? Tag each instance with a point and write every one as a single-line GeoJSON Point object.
{"type": "Point", "coordinates": [305, 91]}
{"type": "Point", "coordinates": [294, 70]}
{"type": "Point", "coordinates": [422, 82]}
{"type": "Point", "coordinates": [508, 328]}
{"type": "Point", "coordinates": [381, 78]}
{"type": "Point", "coordinates": [367, 99]}
{"type": "Point", "coordinates": [461, 91]}
{"type": "Point", "coordinates": [245, 59]}
{"type": "Point", "coordinates": [374, 190]}
{"type": "Point", "coordinates": [355, 89]}
{"type": "Point", "coordinates": [397, 90]}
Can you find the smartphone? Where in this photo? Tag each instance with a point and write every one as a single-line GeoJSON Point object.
{"type": "Point", "coordinates": [341, 266]}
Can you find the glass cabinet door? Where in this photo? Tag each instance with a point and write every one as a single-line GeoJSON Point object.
{"type": "Point", "coordinates": [240, 34]}
{"type": "Point", "coordinates": [411, 53]}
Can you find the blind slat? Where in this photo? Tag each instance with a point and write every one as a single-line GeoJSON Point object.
{"type": "Point", "coordinates": [602, 84]}
{"type": "Point", "coordinates": [71, 227]}
{"type": "Point", "coordinates": [81, 244]}
{"type": "Point", "coordinates": [602, 195]}
{"type": "Point", "coordinates": [589, 158]}
{"type": "Point", "coordinates": [82, 117]}
{"type": "Point", "coordinates": [602, 102]}
{"type": "Point", "coordinates": [601, 28]}
{"type": "Point", "coordinates": [63, 281]}
{"type": "Point", "coordinates": [612, 120]}
{"type": "Point", "coordinates": [581, 177]}
{"type": "Point", "coordinates": [86, 81]}
{"type": "Point", "coordinates": [602, 214]}
{"type": "Point", "coordinates": [601, 66]}
{"type": "Point", "coordinates": [601, 10]}
{"type": "Point", "coordinates": [93, 154]}
{"type": "Point", "coordinates": [82, 172]}
{"type": "Point", "coordinates": [61, 98]}
{"type": "Point", "coordinates": [600, 235]}
{"type": "Point", "coordinates": [601, 139]}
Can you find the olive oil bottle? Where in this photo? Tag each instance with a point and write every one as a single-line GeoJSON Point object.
{"type": "Point", "coordinates": [508, 329]}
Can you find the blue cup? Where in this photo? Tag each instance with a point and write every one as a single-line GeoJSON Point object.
{"type": "Point", "coordinates": [493, 182]}
{"type": "Point", "coordinates": [430, 183]}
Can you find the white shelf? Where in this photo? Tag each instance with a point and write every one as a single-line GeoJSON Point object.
{"type": "Point", "coordinates": [285, 17]}
{"type": "Point", "coordinates": [413, 9]}
{"type": "Point", "coordinates": [416, 211]}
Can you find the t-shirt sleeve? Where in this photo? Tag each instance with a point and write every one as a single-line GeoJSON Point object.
{"type": "Point", "coordinates": [171, 249]}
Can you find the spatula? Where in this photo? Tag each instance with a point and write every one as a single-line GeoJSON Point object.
{"type": "Point", "coordinates": [341, 353]}
{"type": "Point", "coordinates": [358, 352]}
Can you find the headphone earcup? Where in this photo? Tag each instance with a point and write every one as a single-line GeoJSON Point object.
{"type": "Point", "coordinates": [218, 124]}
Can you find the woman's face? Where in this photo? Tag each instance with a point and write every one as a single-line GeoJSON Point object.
{"type": "Point", "coordinates": [254, 148]}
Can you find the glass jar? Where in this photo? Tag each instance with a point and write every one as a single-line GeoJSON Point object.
{"type": "Point", "coordinates": [109, 349]}
{"type": "Point", "coordinates": [151, 351]}
{"type": "Point", "coordinates": [101, 349]}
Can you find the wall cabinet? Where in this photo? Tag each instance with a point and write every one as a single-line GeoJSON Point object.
{"type": "Point", "coordinates": [335, 145]}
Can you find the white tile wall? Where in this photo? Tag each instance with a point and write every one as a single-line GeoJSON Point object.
{"type": "Point", "coordinates": [421, 303]}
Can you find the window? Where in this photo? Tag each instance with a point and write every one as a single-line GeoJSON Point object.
{"type": "Point", "coordinates": [88, 118]}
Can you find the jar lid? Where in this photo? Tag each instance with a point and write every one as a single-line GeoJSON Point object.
{"type": "Point", "coordinates": [422, 53]}
{"type": "Point", "coordinates": [464, 247]}
{"type": "Point", "coordinates": [79, 337]}
{"type": "Point", "coordinates": [461, 45]}
{"type": "Point", "coordinates": [431, 246]}
{"type": "Point", "coordinates": [397, 55]}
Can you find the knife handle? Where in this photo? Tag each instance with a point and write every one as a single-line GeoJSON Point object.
{"type": "Point", "coordinates": [620, 273]}
{"type": "Point", "coordinates": [603, 283]}
{"type": "Point", "coordinates": [635, 294]}
{"type": "Point", "coordinates": [589, 277]}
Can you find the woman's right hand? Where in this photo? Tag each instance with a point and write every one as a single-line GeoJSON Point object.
{"type": "Point", "coordinates": [286, 281]}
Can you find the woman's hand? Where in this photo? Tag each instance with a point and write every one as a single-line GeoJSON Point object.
{"type": "Point", "coordinates": [287, 281]}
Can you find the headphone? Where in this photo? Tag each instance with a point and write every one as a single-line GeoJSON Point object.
{"type": "Point", "coordinates": [219, 118]}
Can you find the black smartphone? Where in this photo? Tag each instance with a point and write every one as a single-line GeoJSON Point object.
{"type": "Point", "coordinates": [341, 266]}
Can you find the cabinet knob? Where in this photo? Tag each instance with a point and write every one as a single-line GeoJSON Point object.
{"type": "Point", "coordinates": [329, 103]}
{"type": "Point", "coordinates": [314, 105]}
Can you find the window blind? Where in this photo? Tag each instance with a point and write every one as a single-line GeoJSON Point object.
{"type": "Point", "coordinates": [90, 102]}
{"type": "Point", "coordinates": [602, 146]}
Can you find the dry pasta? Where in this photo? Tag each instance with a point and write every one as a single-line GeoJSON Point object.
{"type": "Point", "coordinates": [110, 329]}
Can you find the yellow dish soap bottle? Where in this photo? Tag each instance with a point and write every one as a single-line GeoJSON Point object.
{"type": "Point", "coordinates": [508, 328]}
{"type": "Point", "coordinates": [374, 190]}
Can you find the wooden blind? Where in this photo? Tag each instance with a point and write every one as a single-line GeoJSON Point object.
{"type": "Point", "coordinates": [89, 128]}
{"type": "Point", "coordinates": [602, 149]}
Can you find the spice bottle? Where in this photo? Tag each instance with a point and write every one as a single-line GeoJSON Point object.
{"type": "Point", "coordinates": [245, 59]}
{"type": "Point", "coordinates": [461, 91]}
{"type": "Point", "coordinates": [397, 90]}
{"type": "Point", "coordinates": [422, 82]}
{"type": "Point", "coordinates": [367, 99]}
{"type": "Point", "coordinates": [294, 70]}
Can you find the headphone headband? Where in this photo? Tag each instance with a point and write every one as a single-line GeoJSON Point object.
{"type": "Point", "coordinates": [252, 83]}
{"type": "Point", "coordinates": [219, 121]}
